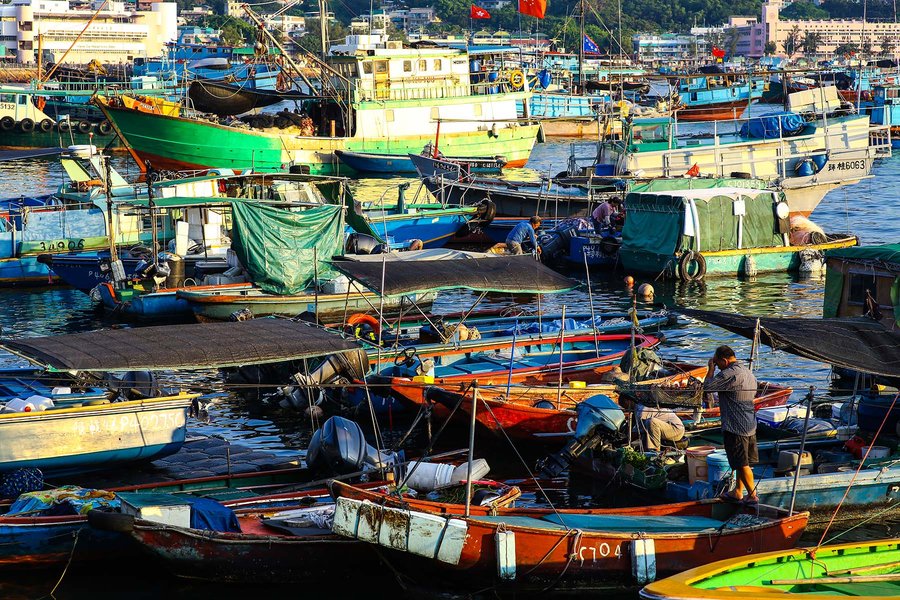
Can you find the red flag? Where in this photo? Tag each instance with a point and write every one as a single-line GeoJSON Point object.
{"type": "Point", "coordinates": [535, 8]}
{"type": "Point", "coordinates": [477, 12]}
{"type": "Point", "coordinates": [718, 52]}
{"type": "Point", "coordinates": [693, 171]}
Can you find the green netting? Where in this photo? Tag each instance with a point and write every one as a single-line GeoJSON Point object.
{"type": "Point", "coordinates": [278, 247]}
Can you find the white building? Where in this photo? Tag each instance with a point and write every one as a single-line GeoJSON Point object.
{"type": "Point", "coordinates": [117, 35]}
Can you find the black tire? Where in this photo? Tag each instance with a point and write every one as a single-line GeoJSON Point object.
{"type": "Point", "coordinates": [684, 263]}
{"type": "Point", "coordinates": [7, 123]}
{"type": "Point", "coordinates": [84, 127]}
{"type": "Point", "coordinates": [110, 521]}
{"type": "Point", "coordinates": [45, 125]}
{"type": "Point", "coordinates": [64, 126]}
{"type": "Point", "coordinates": [741, 175]}
{"type": "Point", "coordinates": [487, 210]}
{"type": "Point", "coordinates": [26, 125]}
{"type": "Point", "coordinates": [105, 128]}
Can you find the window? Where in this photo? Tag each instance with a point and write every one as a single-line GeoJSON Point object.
{"type": "Point", "coordinates": [367, 67]}
{"type": "Point", "coordinates": [381, 66]}
{"type": "Point", "coordinates": [389, 116]}
{"type": "Point", "coordinates": [423, 65]}
{"type": "Point", "coordinates": [437, 64]}
{"type": "Point", "coordinates": [859, 284]}
{"type": "Point", "coordinates": [407, 66]}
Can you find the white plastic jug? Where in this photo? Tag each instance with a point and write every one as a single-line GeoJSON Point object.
{"type": "Point", "coordinates": [39, 402]}
{"type": "Point", "coordinates": [17, 405]}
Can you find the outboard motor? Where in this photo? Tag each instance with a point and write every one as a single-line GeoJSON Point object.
{"type": "Point", "coordinates": [350, 366]}
{"type": "Point", "coordinates": [556, 242]}
{"type": "Point", "coordinates": [360, 243]}
{"type": "Point", "coordinates": [600, 420]}
{"type": "Point", "coordinates": [134, 384]}
{"type": "Point", "coordinates": [339, 447]}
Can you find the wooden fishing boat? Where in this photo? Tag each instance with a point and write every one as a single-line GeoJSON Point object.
{"type": "Point", "coordinates": [832, 572]}
{"type": "Point", "coordinates": [704, 99]}
{"type": "Point", "coordinates": [429, 166]}
{"type": "Point", "coordinates": [390, 164]}
{"type": "Point", "coordinates": [96, 436]}
{"type": "Point", "coordinates": [547, 412]}
{"type": "Point", "coordinates": [505, 548]}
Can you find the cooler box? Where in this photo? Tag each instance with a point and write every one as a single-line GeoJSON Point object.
{"type": "Point", "coordinates": [159, 508]}
{"type": "Point", "coordinates": [775, 416]}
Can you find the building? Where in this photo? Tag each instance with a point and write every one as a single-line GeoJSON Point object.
{"type": "Point", "coordinates": [374, 24]}
{"type": "Point", "coordinates": [670, 49]}
{"type": "Point", "coordinates": [118, 33]}
{"type": "Point", "coordinates": [288, 24]}
{"type": "Point", "coordinates": [413, 19]}
{"type": "Point", "coordinates": [753, 36]}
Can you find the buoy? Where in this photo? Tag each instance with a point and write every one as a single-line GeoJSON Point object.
{"type": "Point", "coordinates": [750, 267]}
{"type": "Point", "coordinates": [629, 281]}
{"type": "Point", "coordinates": [646, 290]}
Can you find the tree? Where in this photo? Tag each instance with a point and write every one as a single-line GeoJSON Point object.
{"type": "Point", "coordinates": [866, 47]}
{"type": "Point", "coordinates": [887, 45]}
{"type": "Point", "coordinates": [811, 41]}
{"type": "Point", "coordinates": [312, 39]}
{"type": "Point", "coordinates": [770, 48]}
{"type": "Point", "coordinates": [792, 41]}
{"type": "Point", "coordinates": [846, 49]}
{"type": "Point", "coordinates": [734, 37]}
{"type": "Point", "coordinates": [803, 11]}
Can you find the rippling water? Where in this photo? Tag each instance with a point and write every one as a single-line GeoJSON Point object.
{"type": "Point", "coordinates": [866, 209]}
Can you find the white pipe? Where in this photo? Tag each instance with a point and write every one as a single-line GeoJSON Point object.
{"type": "Point", "coordinates": [696, 220]}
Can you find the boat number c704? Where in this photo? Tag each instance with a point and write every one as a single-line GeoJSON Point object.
{"type": "Point", "coordinates": [603, 550]}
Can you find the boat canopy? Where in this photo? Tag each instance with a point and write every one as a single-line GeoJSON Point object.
{"type": "Point", "coordinates": [708, 220]}
{"type": "Point", "coordinates": [197, 346]}
{"type": "Point", "coordinates": [512, 274]}
{"type": "Point", "coordinates": [885, 253]}
{"type": "Point", "coordinates": [285, 250]}
{"type": "Point", "coordinates": [854, 343]}
{"type": "Point", "coordinates": [668, 184]}
{"type": "Point", "coordinates": [774, 126]}
{"type": "Point", "coordinates": [884, 258]}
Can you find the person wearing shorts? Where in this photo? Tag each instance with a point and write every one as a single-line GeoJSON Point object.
{"type": "Point", "coordinates": [735, 385]}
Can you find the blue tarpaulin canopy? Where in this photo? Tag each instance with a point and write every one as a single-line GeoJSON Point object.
{"type": "Point", "coordinates": [767, 126]}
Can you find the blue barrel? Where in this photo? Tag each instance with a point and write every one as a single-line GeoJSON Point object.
{"type": "Point", "coordinates": [604, 170]}
{"type": "Point", "coordinates": [544, 78]}
{"type": "Point", "coordinates": [804, 168]}
{"type": "Point", "coordinates": [717, 466]}
{"type": "Point", "coordinates": [873, 410]}
{"type": "Point", "coordinates": [819, 160]}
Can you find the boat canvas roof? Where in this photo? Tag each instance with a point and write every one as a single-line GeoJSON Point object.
{"type": "Point", "coordinates": [168, 347]}
{"type": "Point", "coordinates": [709, 193]}
{"type": "Point", "coordinates": [497, 273]}
{"type": "Point", "coordinates": [885, 253]}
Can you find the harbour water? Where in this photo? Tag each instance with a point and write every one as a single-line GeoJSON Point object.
{"type": "Point", "coordinates": [865, 209]}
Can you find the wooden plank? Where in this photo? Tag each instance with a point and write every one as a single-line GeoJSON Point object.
{"type": "Point", "coordinates": [865, 569]}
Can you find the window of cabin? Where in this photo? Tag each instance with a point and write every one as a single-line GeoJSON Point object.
{"type": "Point", "coordinates": [437, 64]}
{"type": "Point", "coordinates": [367, 67]}
{"type": "Point", "coordinates": [859, 283]}
{"type": "Point", "coordinates": [381, 66]}
{"type": "Point", "coordinates": [423, 65]}
{"type": "Point", "coordinates": [407, 66]}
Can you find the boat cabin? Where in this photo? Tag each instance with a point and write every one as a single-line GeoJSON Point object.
{"type": "Point", "coordinates": [18, 105]}
{"type": "Point", "coordinates": [863, 281]}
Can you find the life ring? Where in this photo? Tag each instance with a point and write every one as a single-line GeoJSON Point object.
{"type": "Point", "coordinates": [26, 125]}
{"type": "Point", "coordinates": [684, 263]}
{"type": "Point", "coordinates": [105, 128]}
{"type": "Point", "coordinates": [516, 79]}
{"type": "Point", "coordinates": [84, 126]}
{"type": "Point", "coordinates": [356, 321]}
{"type": "Point", "coordinates": [7, 123]}
{"type": "Point", "coordinates": [45, 125]}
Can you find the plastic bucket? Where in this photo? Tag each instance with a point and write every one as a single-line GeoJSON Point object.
{"type": "Point", "coordinates": [428, 477]}
{"type": "Point", "coordinates": [696, 462]}
{"type": "Point", "coordinates": [604, 170]}
{"type": "Point", "coordinates": [717, 466]}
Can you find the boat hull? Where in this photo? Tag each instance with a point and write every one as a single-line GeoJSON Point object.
{"type": "Point", "coordinates": [712, 112]}
{"type": "Point", "coordinates": [90, 437]}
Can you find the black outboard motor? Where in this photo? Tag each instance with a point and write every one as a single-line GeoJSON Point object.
{"type": "Point", "coordinates": [351, 366]}
{"type": "Point", "coordinates": [134, 384]}
{"type": "Point", "coordinates": [339, 447]}
{"type": "Point", "coordinates": [556, 242]}
{"type": "Point", "coordinates": [600, 420]}
{"type": "Point", "coordinates": [360, 243]}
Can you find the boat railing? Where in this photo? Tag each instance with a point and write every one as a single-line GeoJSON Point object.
{"type": "Point", "coordinates": [377, 91]}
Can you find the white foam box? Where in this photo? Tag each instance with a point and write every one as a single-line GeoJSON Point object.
{"type": "Point", "coordinates": [158, 508]}
{"type": "Point", "coordinates": [776, 415]}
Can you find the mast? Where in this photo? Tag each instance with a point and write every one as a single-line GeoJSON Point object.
{"type": "Point", "coordinates": [581, 48]}
{"type": "Point", "coordinates": [323, 27]}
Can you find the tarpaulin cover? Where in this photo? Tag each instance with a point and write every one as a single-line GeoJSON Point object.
{"type": "Point", "coordinates": [181, 346]}
{"type": "Point", "coordinates": [767, 127]}
{"type": "Point", "coordinates": [515, 274]}
{"type": "Point", "coordinates": [860, 344]}
{"type": "Point", "coordinates": [279, 247]}
{"type": "Point", "coordinates": [668, 184]}
{"type": "Point", "coordinates": [887, 253]}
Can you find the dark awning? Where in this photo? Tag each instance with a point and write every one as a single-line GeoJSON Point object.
{"type": "Point", "coordinates": [859, 343]}
{"type": "Point", "coordinates": [514, 274]}
{"type": "Point", "coordinates": [181, 346]}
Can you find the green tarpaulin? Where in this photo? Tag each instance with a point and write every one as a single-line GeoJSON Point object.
{"type": "Point", "coordinates": [278, 247]}
{"type": "Point", "coordinates": [670, 184]}
{"type": "Point", "coordinates": [888, 253]}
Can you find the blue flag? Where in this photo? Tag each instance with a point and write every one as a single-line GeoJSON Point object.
{"type": "Point", "coordinates": [590, 46]}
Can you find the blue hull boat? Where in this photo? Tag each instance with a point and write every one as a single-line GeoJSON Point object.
{"type": "Point", "coordinates": [433, 228]}
{"type": "Point", "coordinates": [392, 164]}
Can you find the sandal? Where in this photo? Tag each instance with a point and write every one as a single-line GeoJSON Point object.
{"type": "Point", "coordinates": [750, 500]}
{"type": "Point", "coordinates": [726, 497]}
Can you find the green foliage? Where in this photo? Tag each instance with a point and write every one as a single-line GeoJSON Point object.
{"type": "Point", "coordinates": [811, 41]}
{"type": "Point", "coordinates": [770, 48]}
{"type": "Point", "coordinates": [846, 49]}
{"type": "Point", "coordinates": [792, 42]}
{"type": "Point", "coordinates": [887, 45]}
{"type": "Point", "coordinates": [235, 32]}
{"type": "Point", "coordinates": [876, 10]}
{"type": "Point", "coordinates": [312, 40]}
{"type": "Point", "coordinates": [803, 11]}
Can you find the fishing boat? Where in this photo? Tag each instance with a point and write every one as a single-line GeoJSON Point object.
{"type": "Point", "coordinates": [390, 164]}
{"type": "Point", "coordinates": [885, 110]}
{"type": "Point", "coordinates": [754, 236]}
{"type": "Point", "coordinates": [383, 100]}
{"type": "Point", "coordinates": [715, 98]}
{"type": "Point", "coordinates": [806, 159]}
{"type": "Point", "coordinates": [525, 548]}
{"type": "Point", "coordinates": [830, 572]}
{"type": "Point", "coordinates": [431, 166]}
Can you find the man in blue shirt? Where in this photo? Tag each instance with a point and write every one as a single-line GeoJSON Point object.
{"type": "Point", "coordinates": [524, 230]}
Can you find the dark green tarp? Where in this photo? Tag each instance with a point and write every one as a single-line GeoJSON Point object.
{"type": "Point", "coordinates": [887, 253]}
{"type": "Point", "coordinates": [278, 247]}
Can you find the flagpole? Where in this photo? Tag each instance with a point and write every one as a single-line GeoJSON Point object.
{"type": "Point", "coordinates": [581, 51]}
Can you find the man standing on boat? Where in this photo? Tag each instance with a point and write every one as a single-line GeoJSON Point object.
{"type": "Point", "coordinates": [736, 388]}
{"type": "Point", "coordinates": [524, 230]}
